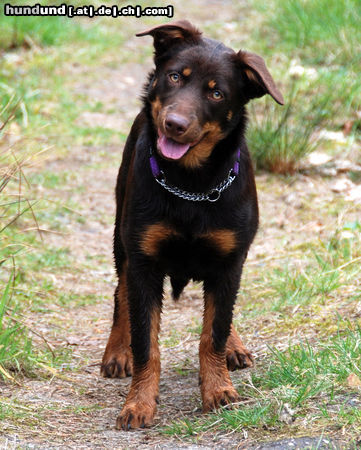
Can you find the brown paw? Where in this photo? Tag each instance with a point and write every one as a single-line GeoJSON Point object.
{"type": "Point", "coordinates": [117, 364]}
{"type": "Point", "coordinates": [221, 396]}
{"type": "Point", "coordinates": [135, 415]}
{"type": "Point", "coordinates": [238, 357]}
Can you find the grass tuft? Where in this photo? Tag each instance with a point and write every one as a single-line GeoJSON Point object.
{"type": "Point", "coordinates": [280, 137]}
{"type": "Point", "coordinates": [322, 40]}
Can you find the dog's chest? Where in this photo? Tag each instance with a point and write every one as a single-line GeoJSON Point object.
{"type": "Point", "coordinates": [176, 250]}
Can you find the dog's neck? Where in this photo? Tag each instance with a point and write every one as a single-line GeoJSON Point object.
{"type": "Point", "coordinates": [213, 171]}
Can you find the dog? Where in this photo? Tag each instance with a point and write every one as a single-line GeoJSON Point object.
{"type": "Point", "coordinates": [187, 208]}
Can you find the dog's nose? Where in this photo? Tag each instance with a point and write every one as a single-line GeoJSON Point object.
{"type": "Point", "coordinates": [176, 124]}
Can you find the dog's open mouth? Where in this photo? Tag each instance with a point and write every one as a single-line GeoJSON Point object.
{"type": "Point", "coordinates": [171, 149]}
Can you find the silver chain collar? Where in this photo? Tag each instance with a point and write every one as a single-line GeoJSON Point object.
{"type": "Point", "coordinates": [210, 196]}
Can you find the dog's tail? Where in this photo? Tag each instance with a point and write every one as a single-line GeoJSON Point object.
{"type": "Point", "coordinates": [178, 284]}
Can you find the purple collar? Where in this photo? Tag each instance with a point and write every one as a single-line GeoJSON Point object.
{"type": "Point", "coordinates": [211, 196]}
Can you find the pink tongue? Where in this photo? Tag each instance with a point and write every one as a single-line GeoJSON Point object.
{"type": "Point", "coordinates": [171, 149]}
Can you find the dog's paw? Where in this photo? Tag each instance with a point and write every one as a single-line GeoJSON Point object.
{"type": "Point", "coordinates": [219, 396]}
{"type": "Point", "coordinates": [238, 357]}
{"type": "Point", "coordinates": [117, 364]}
{"type": "Point", "coordinates": [136, 415]}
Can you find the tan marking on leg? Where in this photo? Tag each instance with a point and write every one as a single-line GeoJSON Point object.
{"type": "Point", "coordinates": [229, 115]}
{"type": "Point", "coordinates": [153, 236]}
{"type": "Point", "coordinates": [216, 385]}
{"type": "Point", "coordinates": [238, 357]}
{"type": "Point", "coordinates": [211, 84]}
{"type": "Point", "coordinates": [198, 154]}
{"type": "Point", "coordinates": [141, 403]}
{"type": "Point", "coordinates": [224, 240]}
{"type": "Point", "coordinates": [187, 71]}
{"type": "Point", "coordinates": [154, 84]}
{"type": "Point", "coordinates": [117, 358]}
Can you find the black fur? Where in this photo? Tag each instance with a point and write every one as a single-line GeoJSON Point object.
{"type": "Point", "coordinates": [187, 253]}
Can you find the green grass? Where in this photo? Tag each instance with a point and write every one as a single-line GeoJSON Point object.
{"type": "Point", "coordinates": [23, 259]}
{"type": "Point", "coordinates": [32, 416]}
{"type": "Point", "coordinates": [302, 376]}
{"type": "Point", "coordinates": [324, 37]}
{"type": "Point", "coordinates": [18, 355]}
{"type": "Point", "coordinates": [324, 275]}
{"type": "Point", "coordinates": [172, 339]}
{"type": "Point", "coordinates": [9, 341]}
{"type": "Point", "coordinates": [261, 414]}
{"type": "Point", "coordinates": [29, 31]}
{"type": "Point", "coordinates": [324, 32]}
{"type": "Point", "coordinates": [279, 139]}
{"type": "Point", "coordinates": [49, 180]}
{"type": "Point", "coordinates": [56, 258]}
{"type": "Point", "coordinates": [303, 372]}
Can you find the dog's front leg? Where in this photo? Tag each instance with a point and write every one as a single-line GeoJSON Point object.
{"type": "Point", "coordinates": [219, 296]}
{"type": "Point", "coordinates": [145, 292]}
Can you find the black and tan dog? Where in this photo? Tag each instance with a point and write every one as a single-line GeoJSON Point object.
{"type": "Point", "coordinates": [187, 208]}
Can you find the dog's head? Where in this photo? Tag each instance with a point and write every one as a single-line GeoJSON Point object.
{"type": "Point", "coordinates": [198, 90]}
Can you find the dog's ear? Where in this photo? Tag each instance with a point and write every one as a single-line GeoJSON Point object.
{"type": "Point", "coordinates": [172, 33]}
{"type": "Point", "coordinates": [259, 81]}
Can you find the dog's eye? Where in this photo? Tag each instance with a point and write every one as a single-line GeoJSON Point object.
{"type": "Point", "coordinates": [216, 95]}
{"type": "Point", "coordinates": [174, 77]}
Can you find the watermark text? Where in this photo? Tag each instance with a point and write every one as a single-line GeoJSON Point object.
{"type": "Point", "coordinates": [87, 10]}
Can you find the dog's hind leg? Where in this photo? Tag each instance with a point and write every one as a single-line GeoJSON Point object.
{"type": "Point", "coordinates": [117, 358]}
